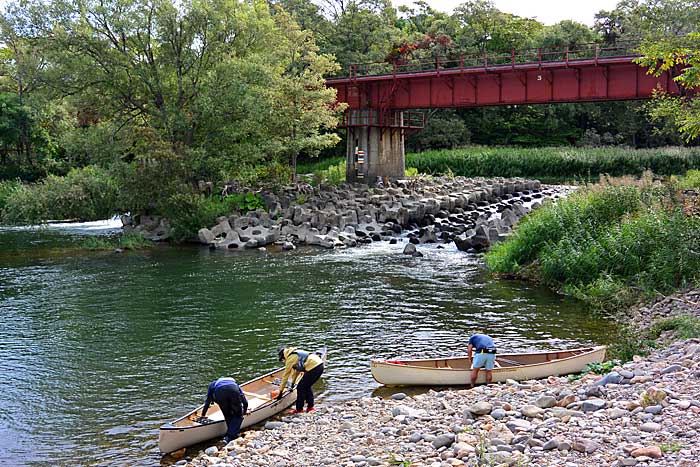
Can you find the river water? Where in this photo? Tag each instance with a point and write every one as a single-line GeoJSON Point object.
{"type": "Point", "coordinates": [97, 349]}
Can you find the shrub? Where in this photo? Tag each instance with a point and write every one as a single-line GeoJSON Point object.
{"type": "Point", "coordinates": [273, 176]}
{"type": "Point", "coordinates": [84, 194]}
{"type": "Point", "coordinates": [189, 212]}
{"type": "Point", "coordinates": [7, 188]}
{"type": "Point", "coordinates": [333, 175]}
{"type": "Point", "coordinates": [148, 182]}
{"type": "Point", "coordinates": [691, 180]}
{"type": "Point", "coordinates": [632, 341]}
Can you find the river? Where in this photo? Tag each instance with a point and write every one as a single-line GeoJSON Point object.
{"type": "Point", "coordinates": [97, 349]}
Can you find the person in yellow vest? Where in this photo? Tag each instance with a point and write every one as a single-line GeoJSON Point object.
{"type": "Point", "coordinates": [304, 368]}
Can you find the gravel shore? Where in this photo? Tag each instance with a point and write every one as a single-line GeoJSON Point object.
{"type": "Point", "coordinates": [645, 413]}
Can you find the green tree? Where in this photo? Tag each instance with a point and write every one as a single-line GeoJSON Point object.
{"type": "Point", "coordinates": [680, 56]}
{"type": "Point", "coordinates": [640, 19]}
{"type": "Point", "coordinates": [565, 33]}
{"type": "Point", "coordinates": [304, 109]}
{"type": "Point", "coordinates": [482, 27]}
{"type": "Point", "coordinates": [364, 31]}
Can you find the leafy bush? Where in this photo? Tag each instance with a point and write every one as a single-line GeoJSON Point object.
{"type": "Point", "coordinates": [632, 340]}
{"type": "Point", "coordinates": [597, 368]}
{"type": "Point", "coordinates": [84, 194]}
{"type": "Point", "coordinates": [322, 164]}
{"type": "Point", "coordinates": [333, 175]}
{"type": "Point", "coordinates": [411, 172]}
{"type": "Point", "coordinates": [691, 180]}
{"type": "Point", "coordinates": [7, 188]}
{"type": "Point", "coordinates": [189, 212]}
{"type": "Point", "coordinates": [683, 326]}
{"type": "Point", "coordinates": [157, 174]}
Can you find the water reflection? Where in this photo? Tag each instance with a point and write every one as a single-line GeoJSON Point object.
{"type": "Point", "coordinates": [97, 350]}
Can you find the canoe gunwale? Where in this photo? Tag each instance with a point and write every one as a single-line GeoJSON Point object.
{"type": "Point", "coordinates": [171, 425]}
{"type": "Point", "coordinates": [588, 350]}
{"type": "Point", "coordinates": [378, 367]}
{"type": "Point", "coordinates": [273, 406]}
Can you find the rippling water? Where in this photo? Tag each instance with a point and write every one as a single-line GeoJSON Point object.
{"type": "Point", "coordinates": [98, 349]}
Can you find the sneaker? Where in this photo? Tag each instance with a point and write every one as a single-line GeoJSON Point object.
{"type": "Point", "coordinates": [295, 411]}
{"type": "Point", "coordinates": [227, 439]}
{"type": "Point", "coordinates": [311, 409]}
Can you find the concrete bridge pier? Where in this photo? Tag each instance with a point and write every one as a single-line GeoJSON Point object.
{"type": "Point", "coordinates": [375, 145]}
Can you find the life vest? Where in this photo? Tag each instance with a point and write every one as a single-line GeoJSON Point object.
{"type": "Point", "coordinates": [302, 356]}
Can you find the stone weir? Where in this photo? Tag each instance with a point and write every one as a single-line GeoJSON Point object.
{"type": "Point", "coordinates": [474, 213]}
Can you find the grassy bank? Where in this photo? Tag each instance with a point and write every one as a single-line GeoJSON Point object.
{"type": "Point", "coordinates": [615, 245]}
{"type": "Point", "coordinates": [557, 164]}
{"type": "Point", "coordinates": [609, 244]}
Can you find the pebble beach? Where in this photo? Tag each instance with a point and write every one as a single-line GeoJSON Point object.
{"type": "Point", "coordinates": [644, 413]}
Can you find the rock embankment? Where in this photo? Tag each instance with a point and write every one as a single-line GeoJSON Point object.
{"type": "Point", "coordinates": [474, 213]}
{"type": "Point", "coordinates": [686, 302]}
{"type": "Point", "coordinates": [645, 413]}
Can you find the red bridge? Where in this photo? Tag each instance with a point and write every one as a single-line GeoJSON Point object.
{"type": "Point", "coordinates": [379, 93]}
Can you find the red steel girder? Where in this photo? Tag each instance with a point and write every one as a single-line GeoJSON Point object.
{"type": "Point", "coordinates": [568, 80]}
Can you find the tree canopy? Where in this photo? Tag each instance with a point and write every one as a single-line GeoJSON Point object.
{"type": "Point", "coordinates": [214, 90]}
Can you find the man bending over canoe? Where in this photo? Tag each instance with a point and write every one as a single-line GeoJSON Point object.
{"type": "Point", "coordinates": [305, 368]}
{"type": "Point", "coordinates": [485, 357]}
{"type": "Point", "coordinates": [230, 398]}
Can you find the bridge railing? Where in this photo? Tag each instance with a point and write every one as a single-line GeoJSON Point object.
{"type": "Point", "coordinates": [513, 58]}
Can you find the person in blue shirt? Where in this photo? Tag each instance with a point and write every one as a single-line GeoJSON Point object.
{"type": "Point", "coordinates": [232, 402]}
{"type": "Point", "coordinates": [485, 356]}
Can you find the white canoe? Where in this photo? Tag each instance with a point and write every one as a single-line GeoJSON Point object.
{"type": "Point", "coordinates": [455, 371]}
{"type": "Point", "coordinates": [186, 430]}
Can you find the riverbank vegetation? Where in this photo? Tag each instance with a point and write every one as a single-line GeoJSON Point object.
{"type": "Point", "coordinates": [127, 241]}
{"type": "Point", "coordinates": [559, 164]}
{"type": "Point", "coordinates": [611, 244]}
{"type": "Point", "coordinates": [549, 164]}
{"type": "Point", "coordinates": [161, 99]}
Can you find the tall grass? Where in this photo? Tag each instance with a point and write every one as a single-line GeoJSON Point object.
{"type": "Point", "coordinates": [609, 245]}
{"type": "Point", "coordinates": [582, 215]}
{"type": "Point", "coordinates": [319, 165]}
{"type": "Point", "coordinates": [547, 164]}
{"type": "Point", "coordinates": [556, 163]}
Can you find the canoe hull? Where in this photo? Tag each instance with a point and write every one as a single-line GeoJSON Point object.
{"type": "Point", "coordinates": [393, 373]}
{"type": "Point", "coordinates": [186, 431]}
{"type": "Point", "coordinates": [171, 438]}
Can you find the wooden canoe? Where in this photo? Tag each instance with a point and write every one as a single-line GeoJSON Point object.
{"type": "Point", "coordinates": [455, 371]}
{"type": "Point", "coordinates": [187, 430]}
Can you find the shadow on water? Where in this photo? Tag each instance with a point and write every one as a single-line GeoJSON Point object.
{"type": "Point", "coordinates": [104, 348]}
